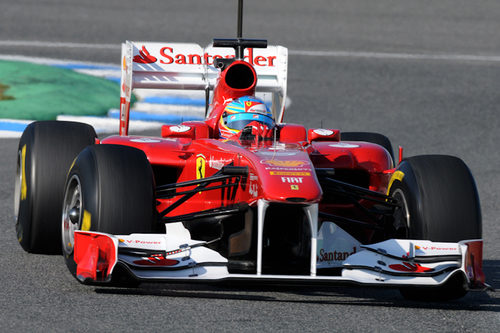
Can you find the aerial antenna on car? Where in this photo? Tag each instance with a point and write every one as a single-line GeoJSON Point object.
{"type": "Point", "coordinates": [240, 19]}
{"type": "Point", "coordinates": [239, 44]}
{"type": "Point", "coordinates": [239, 32]}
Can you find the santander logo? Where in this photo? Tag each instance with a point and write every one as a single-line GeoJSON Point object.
{"type": "Point", "coordinates": [168, 55]}
{"type": "Point", "coordinates": [144, 57]}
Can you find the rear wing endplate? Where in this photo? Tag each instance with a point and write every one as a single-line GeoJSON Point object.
{"type": "Point", "coordinates": [186, 66]}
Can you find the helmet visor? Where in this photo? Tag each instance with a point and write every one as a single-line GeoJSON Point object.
{"type": "Point", "coordinates": [238, 121]}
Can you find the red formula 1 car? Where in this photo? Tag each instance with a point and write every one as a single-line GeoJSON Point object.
{"type": "Point", "coordinates": [243, 195]}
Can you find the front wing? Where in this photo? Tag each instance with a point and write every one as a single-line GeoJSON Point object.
{"type": "Point", "coordinates": [175, 256]}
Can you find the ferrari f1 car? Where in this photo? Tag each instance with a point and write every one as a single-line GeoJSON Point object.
{"type": "Point", "coordinates": [243, 195]}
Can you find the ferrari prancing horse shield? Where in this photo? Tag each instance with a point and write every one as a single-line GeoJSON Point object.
{"type": "Point", "coordinates": [200, 166]}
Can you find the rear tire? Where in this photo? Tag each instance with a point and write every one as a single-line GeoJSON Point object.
{"type": "Point", "coordinates": [440, 203]}
{"type": "Point", "coordinates": [370, 137]}
{"type": "Point", "coordinates": [109, 189]}
{"type": "Point", "coordinates": [46, 151]}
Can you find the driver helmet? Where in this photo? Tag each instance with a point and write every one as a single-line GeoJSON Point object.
{"type": "Point", "coordinates": [242, 112]}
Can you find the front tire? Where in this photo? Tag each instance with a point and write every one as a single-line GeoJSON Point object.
{"type": "Point", "coordinates": [439, 203]}
{"type": "Point", "coordinates": [46, 151]}
{"type": "Point", "coordinates": [109, 189]}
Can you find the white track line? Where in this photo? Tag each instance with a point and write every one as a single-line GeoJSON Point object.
{"type": "Point", "coordinates": [402, 56]}
{"type": "Point", "coordinates": [37, 43]}
{"type": "Point", "coordinates": [308, 53]}
{"type": "Point", "coordinates": [52, 61]}
{"type": "Point", "coordinates": [103, 125]}
{"type": "Point", "coordinates": [10, 134]}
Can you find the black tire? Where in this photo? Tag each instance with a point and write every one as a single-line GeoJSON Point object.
{"type": "Point", "coordinates": [370, 137]}
{"type": "Point", "coordinates": [440, 203]}
{"type": "Point", "coordinates": [441, 197]}
{"type": "Point", "coordinates": [46, 151]}
{"type": "Point", "coordinates": [112, 189]}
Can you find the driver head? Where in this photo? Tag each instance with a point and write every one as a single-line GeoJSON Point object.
{"type": "Point", "coordinates": [242, 112]}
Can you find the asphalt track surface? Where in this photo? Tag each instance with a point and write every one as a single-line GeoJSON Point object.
{"type": "Point", "coordinates": [424, 73]}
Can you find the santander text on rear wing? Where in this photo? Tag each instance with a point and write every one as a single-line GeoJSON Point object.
{"type": "Point", "coordinates": [151, 65]}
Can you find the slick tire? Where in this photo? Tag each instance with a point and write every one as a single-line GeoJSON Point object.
{"type": "Point", "coordinates": [46, 151]}
{"type": "Point", "coordinates": [439, 203]}
{"type": "Point", "coordinates": [370, 137]}
{"type": "Point", "coordinates": [110, 189]}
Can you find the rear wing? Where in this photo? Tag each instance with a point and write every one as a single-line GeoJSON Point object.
{"type": "Point", "coordinates": [186, 66]}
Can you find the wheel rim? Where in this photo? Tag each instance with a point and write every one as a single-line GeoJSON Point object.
{"type": "Point", "coordinates": [402, 216]}
{"type": "Point", "coordinates": [17, 186]}
{"type": "Point", "coordinates": [71, 218]}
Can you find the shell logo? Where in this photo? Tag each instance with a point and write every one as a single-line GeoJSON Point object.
{"type": "Point", "coordinates": [281, 163]}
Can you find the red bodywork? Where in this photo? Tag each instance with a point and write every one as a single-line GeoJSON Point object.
{"type": "Point", "coordinates": [280, 170]}
{"type": "Point", "coordinates": [275, 174]}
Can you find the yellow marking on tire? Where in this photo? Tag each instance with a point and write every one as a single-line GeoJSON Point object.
{"type": "Point", "coordinates": [24, 187]}
{"type": "Point", "coordinates": [71, 167]}
{"type": "Point", "coordinates": [398, 175]}
{"type": "Point", "coordinates": [86, 220]}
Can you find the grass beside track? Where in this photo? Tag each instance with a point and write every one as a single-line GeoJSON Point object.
{"type": "Point", "coordinates": [39, 92]}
